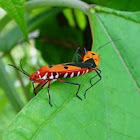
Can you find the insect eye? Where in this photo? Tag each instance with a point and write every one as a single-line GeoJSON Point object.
{"type": "Point", "coordinates": [35, 75]}
{"type": "Point", "coordinates": [93, 53]}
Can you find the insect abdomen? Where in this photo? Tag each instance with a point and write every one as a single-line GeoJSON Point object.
{"type": "Point", "coordinates": [66, 74]}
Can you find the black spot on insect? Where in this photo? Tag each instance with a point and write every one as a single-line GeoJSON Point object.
{"type": "Point", "coordinates": [87, 64]}
{"type": "Point", "coordinates": [93, 53]}
{"type": "Point", "coordinates": [50, 66]}
{"type": "Point", "coordinates": [65, 67]}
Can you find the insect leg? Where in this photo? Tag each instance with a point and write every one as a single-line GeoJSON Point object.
{"type": "Point", "coordinates": [95, 75]}
{"type": "Point", "coordinates": [34, 88]}
{"type": "Point", "coordinates": [99, 70]}
{"type": "Point", "coordinates": [49, 93]}
{"type": "Point", "coordinates": [40, 84]}
{"type": "Point", "coordinates": [94, 83]}
{"type": "Point", "coordinates": [73, 84]}
{"type": "Point", "coordinates": [44, 84]}
{"type": "Point", "coordinates": [76, 54]}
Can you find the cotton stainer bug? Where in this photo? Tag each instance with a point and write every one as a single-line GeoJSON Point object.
{"type": "Point", "coordinates": [44, 75]}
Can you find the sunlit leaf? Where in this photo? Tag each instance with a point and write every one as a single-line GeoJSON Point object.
{"type": "Point", "coordinates": [15, 34]}
{"type": "Point", "coordinates": [4, 21]}
{"type": "Point", "coordinates": [6, 113]}
{"type": "Point", "coordinates": [111, 110]}
{"type": "Point", "coordinates": [17, 11]}
{"type": "Point", "coordinates": [124, 5]}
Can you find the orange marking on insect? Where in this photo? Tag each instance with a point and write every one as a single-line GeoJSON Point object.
{"type": "Point", "coordinates": [44, 75]}
{"type": "Point", "coordinates": [92, 55]}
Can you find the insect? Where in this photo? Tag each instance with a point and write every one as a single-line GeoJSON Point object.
{"type": "Point", "coordinates": [44, 75]}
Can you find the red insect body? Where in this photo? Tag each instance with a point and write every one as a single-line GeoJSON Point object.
{"type": "Point", "coordinates": [90, 62]}
{"type": "Point", "coordinates": [50, 73]}
{"type": "Point", "coordinates": [66, 70]}
{"type": "Point", "coordinates": [44, 75]}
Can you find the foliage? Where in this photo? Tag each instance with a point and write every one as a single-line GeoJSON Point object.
{"type": "Point", "coordinates": [111, 110]}
{"type": "Point", "coordinates": [16, 10]}
{"type": "Point", "coordinates": [124, 5]}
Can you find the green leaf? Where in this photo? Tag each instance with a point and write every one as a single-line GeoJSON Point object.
{"type": "Point", "coordinates": [4, 21]}
{"type": "Point", "coordinates": [16, 34]}
{"type": "Point", "coordinates": [16, 10]}
{"type": "Point", "coordinates": [111, 110]}
{"type": "Point", "coordinates": [124, 5]}
{"type": "Point", "coordinates": [6, 113]}
{"type": "Point", "coordinates": [133, 16]}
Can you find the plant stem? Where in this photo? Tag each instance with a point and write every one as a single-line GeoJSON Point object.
{"type": "Point", "coordinates": [7, 86]}
{"type": "Point", "coordinates": [90, 12]}
{"type": "Point", "coordinates": [82, 6]}
{"type": "Point", "coordinates": [77, 4]}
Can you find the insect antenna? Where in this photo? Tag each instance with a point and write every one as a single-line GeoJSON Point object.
{"type": "Point", "coordinates": [22, 70]}
{"type": "Point", "coordinates": [107, 43]}
{"type": "Point", "coordinates": [85, 50]}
